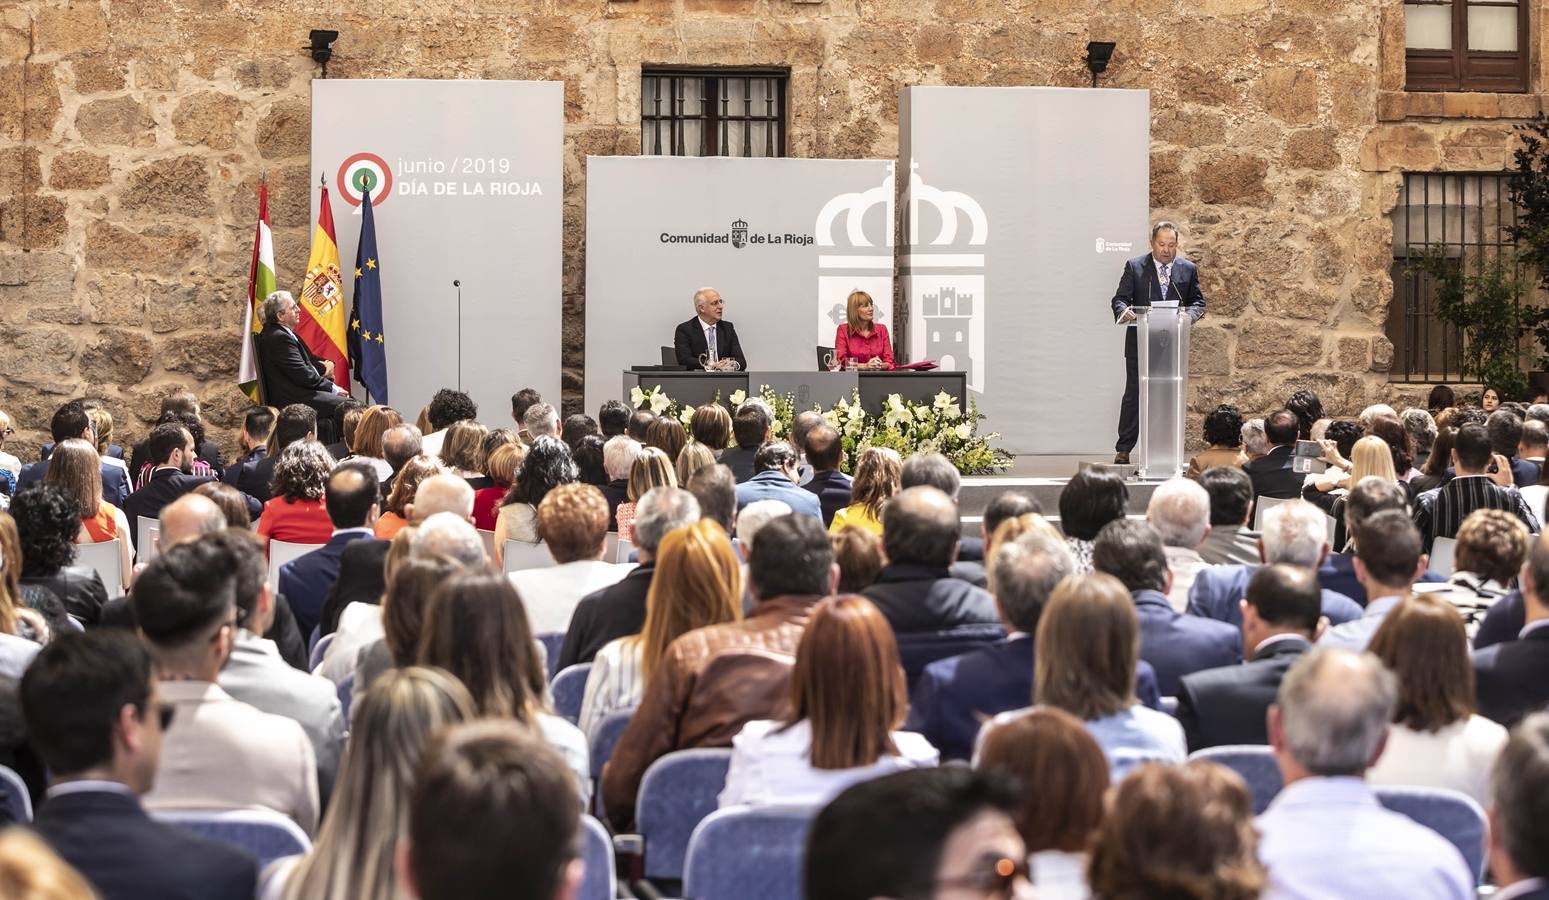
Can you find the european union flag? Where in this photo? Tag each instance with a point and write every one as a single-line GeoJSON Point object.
{"type": "Point", "coordinates": [368, 343]}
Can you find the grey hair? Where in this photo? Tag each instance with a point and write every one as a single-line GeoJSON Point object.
{"type": "Point", "coordinates": [1161, 226]}
{"type": "Point", "coordinates": [1539, 411]}
{"type": "Point", "coordinates": [1421, 427]}
{"type": "Point", "coordinates": [443, 493]}
{"type": "Point", "coordinates": [1294, 533]}
{"type": "Point", "coordinates": [1335, 706]}
{"type": "Point", "coordinates": [274, 304]}
{"type": "Point", "coordinates": [756, 515]}
{"type": "Point", "coordinates": [1025, 572]}
{"type": "Point", "coordinates": [933, 469]}
{"type": "Point", "coordinates": [1179, 510]}
{"type": "Point", "coordinates": [618, 455]}
{"type": "Point", "coordinates": [661, 510]}
{"type": "Point", "coordinates": [759, 403]}
{"type": "Point", "coordinates": [699, 296]}
{"type": "Point", "coordinates": [540, 419]}
{"type": "Point", "coordinates": [1254, 441]}
{"type": "Point", "coordinates": [444, 534]}
{"type": "Point", "coordinates": [1373, 411]}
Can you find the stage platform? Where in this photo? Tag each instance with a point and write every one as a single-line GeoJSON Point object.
{"type": "Point", "coordinates": [1043, 477]}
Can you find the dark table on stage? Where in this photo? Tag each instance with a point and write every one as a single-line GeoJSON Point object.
{"type": "Point", "coordinates": [822, 388]}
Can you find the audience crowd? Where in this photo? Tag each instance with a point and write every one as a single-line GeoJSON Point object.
{"type": "Point", "coordinates": [431, 650]}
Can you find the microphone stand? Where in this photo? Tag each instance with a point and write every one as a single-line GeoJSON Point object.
{"type": "Point", "coordinates": [456, 283]}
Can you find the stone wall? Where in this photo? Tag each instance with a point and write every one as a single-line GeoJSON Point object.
{"type": "Point", "coordinates": [133, 134]}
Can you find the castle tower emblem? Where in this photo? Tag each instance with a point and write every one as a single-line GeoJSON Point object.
{"type": "Point", "coordinates": [943, 272]}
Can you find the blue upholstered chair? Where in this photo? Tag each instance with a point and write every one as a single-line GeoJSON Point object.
{"type": "Point", "coordinates": [918, 650]}
{"type": "Point", "coordinates": [346, 694]}
{"type": "Point", "coordinates": [748, 852]}
{"type": "Point", "coordinates": [602, 738]}
{"type": "Point", "coordinates": [1255, 763]}
{"type": "Point", "coordinates": [319, 650]}
{"type": "Point", "coordinates": [569, 688]}
{"type": "Point", "coordinates": [600, 882]}
{"type": "Point", "coordinates": [265, 834]}
{"type": "Point", "coordinates": [553, 642]}
{"type": "Point", "coordinates": [17, 801]}
{"type": "Point", "coordinates": [678, 791]}
{"type": "Point", "coordinates": [1453, 815]}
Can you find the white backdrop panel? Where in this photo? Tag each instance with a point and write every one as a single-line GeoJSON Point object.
{"type": "Point", "coordinates": [476, 194]}
{"type": "Point", "coordinates": [783, 240]}
{"type": "Point", "coordinates": [1023, 205]}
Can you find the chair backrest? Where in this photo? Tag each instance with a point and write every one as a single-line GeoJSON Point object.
{"type": "Point", "coordinates": [488, 537]}
{"type": "Point", "coordinates": [1261, 506]}
{"type": "Point", "coordinates": [521, 555]}
{"type": "Point", "coordinates": [319, 650]}
{"type": "Point", "coordinates": [919, 649]}
{"type": "Point", "coordinates": [623, 550]}
{"type": "Point", "coordinates": [103, 558]}
{"type": "Point", "coordinates": [1453, 815]}
{"type": "Point", "coordinates": [1443, 552]}
{"type": "Point", "coordinates": [669, 356]}
{"type": "Point", "coordinates": [825, 357]}
{"type": "Point", "coordinates": [569, 688]}
{"type": "Point", "coordinates": [610, 546]}
{"type": "Point", "coordinates": [600, 881]}
{"type": "Point", "coordinates": [346, 694]}
{"type": "Point", "coordinates": [148, 532]}
{"type": "Point", "coordinates": [1255, 763]}
{"type": "Point", "coordinates": [603, 737]}
{"type": "Point", "coordinates": [677, 792]}
{"type": "Point", "coordinates": [553, 642]}
{"type": "Point", "coordinates": [263, 833]}
{"type": "Point", "coordinates": [282, 552]}
{"type": "Point", "coordinates": [752, 853]}
{"type": "Point", "coordinates": [17, 800]}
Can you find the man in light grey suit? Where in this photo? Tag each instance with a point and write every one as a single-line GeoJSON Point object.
{"type": "Point", "coordinates": [259, 677]}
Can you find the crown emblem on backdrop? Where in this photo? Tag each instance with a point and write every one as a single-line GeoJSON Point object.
{"type": "Point", "coordinates": [854, 206]}
{"type": "Point", "coordinates": [948, 204]}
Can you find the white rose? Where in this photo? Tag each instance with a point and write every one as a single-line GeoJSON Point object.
{"type": "Point", "coordinates": [964, 431]}
{"type": "Point", "coordinates": [659, 402]}
{"type": "Point", "coordinates": [636, 396]}
{"type": "Point", "coordinates": [737, 397]}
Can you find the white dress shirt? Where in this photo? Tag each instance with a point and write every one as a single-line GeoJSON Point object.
{"type": "Point", "coordinates": [1329, 837]}
{"type": "Point", "coordinates": [773, 764]}
{"type": "Point", "coordinates": [1458, 757]}
{"type": "Point", "coordinates": [1184, 564]}
{"type": "Point", "coordinates": [257, 675]}
{"type": "Point", "coordinates": [551, 595]}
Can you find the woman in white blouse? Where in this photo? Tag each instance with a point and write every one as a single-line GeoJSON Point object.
{"type": "Point", "coordinates": [1436, 740]}
{"type": "Point", "coordinates": [548, 465]}
{"type": "Point", "coordinates": [697, 582]}
{"type": "Point", "coordinates": [847, 701]}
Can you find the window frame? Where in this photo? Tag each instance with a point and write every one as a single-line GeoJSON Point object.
{"type": "Point", "coordinates": [659, 131]}
{"type": "Point", "coordinates": [1462, 69]}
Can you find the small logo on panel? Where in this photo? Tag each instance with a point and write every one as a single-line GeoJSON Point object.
{"type": "Point", "coordinates": [365, 172]}
{"type": "Point", "coordinates": [1103, 246]}
{"type": "Point", "coordinates": [739, 234]}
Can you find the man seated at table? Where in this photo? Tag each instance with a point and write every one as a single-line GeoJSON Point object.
{"type": "Point", "coordinates": [707, 341]}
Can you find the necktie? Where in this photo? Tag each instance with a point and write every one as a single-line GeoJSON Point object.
{"type": "Point", "coordinates": [710, 342]}
{"type": "Point", "coordinates": [1165, 279]}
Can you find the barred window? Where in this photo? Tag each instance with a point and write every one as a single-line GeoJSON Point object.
{"type": "Point", "coordinates": [713, 112]}
{"type": "Point", "coordinates": [1465, 45]}
{"type": "Point", "coordinates": [1466, 216]}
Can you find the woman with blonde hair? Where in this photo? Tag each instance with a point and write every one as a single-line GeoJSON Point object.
{"type": "Point", "coordinates": [693, 457]}
{"type": "Point", "coordinates": [8, 461]}
{"type": "Point", "coordinates": [651, 469]}
{"type": "Point", "coordinates": [463, 452]}
{"type": "Point", "coordinates": [26, 611]}
{"type": "Point", "coordinates": [862, 342]}
{"type": "Point", "coordinates": [367, 443]}
{"type": "Point", "coordinates": [356, 846]}
{"type": "Point", "coordinates": [76, 465]}
{"type": "Point", "coordinates": [501, 467]}
{"type": "Point", "coordinates": [396, 516]}
{"type": "Point", "coordinates": [848, 700]}
{"type": "Point", "coordinates": [877, 475]}
{"type": "Point", "coordinates": [30, 870]}
{"type": "Point", "coordinates": [1371, 455]}
{"type": "Point", "coordinates": [698, 582]}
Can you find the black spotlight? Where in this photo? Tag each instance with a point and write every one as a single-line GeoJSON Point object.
{"type": "Point", "coordinates": [322, 47]}
{"type": "Point", "coordinates": [1097, 55]}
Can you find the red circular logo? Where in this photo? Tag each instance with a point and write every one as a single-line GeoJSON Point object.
{"type": "Point", "coordinates": [365, 172]}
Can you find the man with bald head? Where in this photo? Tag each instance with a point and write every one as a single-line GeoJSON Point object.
{"type": "Point", "coordinates": [707, 341]}
{"type": "Point", "coordinates": [916, 590]}
{"type": "Point", "coordinates": [188, 517]}
{"type": "Point", "coordinates": [352, 503]}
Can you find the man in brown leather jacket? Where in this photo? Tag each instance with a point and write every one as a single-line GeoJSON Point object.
{"type": "Point", "coordinates": [714, 680]}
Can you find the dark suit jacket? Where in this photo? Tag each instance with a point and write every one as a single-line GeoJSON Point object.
{"type": "Point", "coordinates": [970, 549]}
{"type": "Point", "coordinates": [833, 490]}
{"type": "Point", "coordinates": [1272, 476]}
{"type": "Point", "coordinates": [1216, 590]}
{"type": "Point", "coordinates": [1227, 705]}
{"type": "Point", "coordinates": [956, 695]}
{"type": "Point", "coordinates": [127, 855]}
{"type": "Point", "coordinates": [115, 481]}
{"type": "Point", "coordinates": [261, 479]}
{"type": "Point", "coordinates": [139, 456]}
{"type": "Point", "coordinates": [291, 372]}
{"type": "Point", "coordinates": [243, 474]}
{"type": "Point", "coordinates": [1138, 286]}
{"type": "Point", "coordinates": [362, 579]}
{"type": "Point", "coordinates": [1503, 622]}
{"type": "Point", "coordinates": [306, 580]}
{"type": "Point", "coordinates": [689, 341]}
{"type": "Point", "coordinates": [616, 492]}
{"type": "Point", "coordinates": [1176, 645]}
{"type": "Point", "coordinates": [927, 598]}
{"type": "Point", "coordinates": [615, 611]}
{"type": "Point", "coordinates": [165, 486]}
{"type": "Point", "coordinates": [1511, 679]}
{"type": "Point", "coordinates": [740, 462]}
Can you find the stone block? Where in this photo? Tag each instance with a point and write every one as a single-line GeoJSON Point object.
{"type": "Point", "coordinates": [19, 170]}
{"type": "Point", "coordinates": [1520, 106]}
{"type": "Point", "coordinates": [208, 119]}
{"type": "Point", "coordinates": [1392, 106]}
{"type": "Point", "coordinates": [1351, 354]}
{"type": "Point", "coordinates": [35, 278]}
{"type": "Point", "coordinates": [1470, 106]}
{"type": "Point", "coordinates": [160, 249]}
{"type": "Point", "coordinates": [1265, 341]}
{"type": "Point", "coordinates": [1232, 178]}
{"type": "Point", "coordinates": [29, 101]}
{"type": "Point", "coordinates": [271, 74]}
{"type": "Point", "coordinates": [119, 356]}
{"type": "Point", "coordinates": [33, 221]}
{"type": "Point", "coordinates": [118, 300]}
{"type": "Point", "coordinates": [1423, 104]}
{"type": "Point", "coordinates": [41, 358]}
{"type": "Point", "coordinates": [1311, 148]}
{"type": "Point", "coordinates": [99, 72]}
{"type": "Point", "coordinates": [1170, 183]}
{"type": "Point", "coordinates": [286, 130]}
{"type": "Point", "coordinates": [119, 120]}
{"type": "Point", "coordinates": [15, 34]}
{"type": "Point", "coordinates": [1289, 94]}
{"type": "Point", "coordinates": [78, 170]}
{"type": "Point", "coordinates": [176, 186]}
{"type": "Point", "coordinates": [1404, 148]}
{"type": "Point", "coordinates": [936, 44]}
{"type": "Point", "coordinates": [1209, 351]}
{"type": "Point", "coordinates": [66, 29]}
{"type": "Point", "coordinates": [1382, 354]}
{"type": "Point", "coordinates": [202, 355]}
{"type": "Point", "coordinates": [183, 307]}
{"type": "Point", "coordinates": [1192, 128]}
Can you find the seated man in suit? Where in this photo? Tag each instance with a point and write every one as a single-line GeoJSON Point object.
{"type": "Point", "coordinates": [915, 590]}
{"type": "Point", "coordinates": [72, 421]}
{"type": "Point", "coordinates": [292, 373]}
{"type": "Point", "coordinates": [93, 712]}
{"type": "Point", "coordinates": [707, 341]}
{"type": "Point", "coordinates": [1280, 620]}
{"type": "Point", "coordinates": [257, 425]}
{"type": "Point", "coordinates": [1511, 678]}
{"type": "Point", "coordinates": [750, 430]}
{"type": "Point", "coordinates": [774, 478]}
{"type": "Point", "coordinates": [825, 453]}
{"type": "Point", "coordinates": [1174, 644]}
{"type": "Point", "coordinates": [1295, 534]}
{"type": "Point", "coordinates": [1231, 538]}
{"type": "Point", "coordinates": [171, 452]}
{"type": "Point", "coordinates": [955, 696]}
{"type": "Point", "coordinates": [1439, 512]}
{"type": "Point", "coordinates": [1519, 844]}
{"type": "Point", "coordinates": [1388, 562]}
{"type": "Point", "coordinates": [937, 471]}
{"type": "Point", "coordinates": [1271, 474]}
{"type": "Point", "coordinates": [1007, 505]}
{"type": "Point", "coordinates": [351, 500]}
{"type": "Point", "coordinates": [296, 422]}
{"type": "Point", "coordinates": [222, 753]}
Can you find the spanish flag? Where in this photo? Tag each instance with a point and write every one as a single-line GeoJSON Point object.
{"type": "Point", "coordinates": [324, 317]}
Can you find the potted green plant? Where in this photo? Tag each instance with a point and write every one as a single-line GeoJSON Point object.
{"type": "Point", "coordinates": [1483, 305]}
